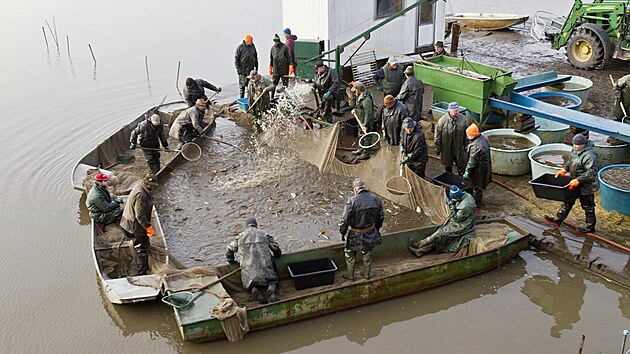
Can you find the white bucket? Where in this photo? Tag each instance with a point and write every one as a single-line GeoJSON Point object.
{"type": "Point", "coordinates": [510, 162]}
{"type": "Point", "coordinates": [579, 86]}
{"type": "Point", "coordinates": [539, 169]}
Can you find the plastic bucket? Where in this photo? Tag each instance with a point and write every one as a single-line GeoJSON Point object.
{"type": "Point", "coordinates": [550, 131]}
{"type": "Point", "coordinates": [579, 86]}
{"type": "Point", "coordinates": [609, 154]}
{"type": "Point", "coordinates": [539, 169]}
{"type": "Point", "coordinates": [613, 198]}
{"type": "Point", "coordinates": [510, 162]}
{"type": "Point", "coordinates": [243, 104]}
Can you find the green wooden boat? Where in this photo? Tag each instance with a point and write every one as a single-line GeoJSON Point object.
{"type": "Point", "coordinates": [396, 272]}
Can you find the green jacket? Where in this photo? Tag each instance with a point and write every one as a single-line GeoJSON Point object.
{"type": "Point", "coordinates": [364, 108]}
{"type": "Point", "coordinates": [459, 228]}
{"type": "Point", "coordinates": [100, 205]}
{"type": "Point", "coordinates": [622, 94]}
{"type": "Point", "coordinates": [583, 166]}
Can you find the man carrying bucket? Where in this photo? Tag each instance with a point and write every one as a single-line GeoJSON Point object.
{"type": "Point", "coordinates": [362, 219]}
{"type": "Point", "coordinates": [478, 173]}
{"type": "Point", "coordinates": [413, 146]}
{"type": "Point", "coordinates": [582, 166]}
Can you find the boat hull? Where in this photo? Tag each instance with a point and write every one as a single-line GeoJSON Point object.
{"type": "Point", "coordinates": [487, 21]}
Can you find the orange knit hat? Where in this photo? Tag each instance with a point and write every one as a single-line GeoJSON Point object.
{"type": "Point", "coordinates": [248, 38]}
{"type": "Point", "coordinates": [472, 130]}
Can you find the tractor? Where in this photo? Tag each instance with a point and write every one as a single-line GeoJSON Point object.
{"type": "Point", "coordinates": [595, 32]}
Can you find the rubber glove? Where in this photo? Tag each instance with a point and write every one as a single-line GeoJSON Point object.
{"type": "Point", "coordinates": [291, 70]}
{"type": "Point", "coordinates": [218, 89]}
{"type": "Point", "coordinates": [404, 161]}
{"type": "Point", "coordinates": [150, 231]}
{"type": "Point", "coordinates": [574, 183]}
{"type": "Point", "coordinates": [314, 88]}
{"type": "Point", "coordinates": [118, 200]}
{"type": "Point", "coordinates": [270, 70]}
{"type": "Point", "coordinates": [132, 146]}
{"type": "Point", "coordinates": [562, 172]}
{"type": "Point", "coordinates": [202, 134]}
{"type": "Point", "coordinates": [384, 135]}
{"type": "Point", "coordinates": [402, 149]}
{"type": "Point", "coordinates": [167, 149]}
{"type": "Point", "coordinates": [466, 175]}
{"type": "Point", "coordinates": [438, 151]}
{"type": "Point", "coordinates": [326, 96]}
{"type": "Point", "coordinates": [379, 87]}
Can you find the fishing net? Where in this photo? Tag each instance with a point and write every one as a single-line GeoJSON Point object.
{"type": "Point", "coordinates": [191, 151]}
{"type": "Point", "coordinates": [233, 318]}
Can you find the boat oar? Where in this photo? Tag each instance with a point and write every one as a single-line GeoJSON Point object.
{"type": "Point", "coordinates": [224, 142]}
{"type": "Point", "coordinates": [184, 300]}
{"type": "Point", "coordinates": [623, 108]}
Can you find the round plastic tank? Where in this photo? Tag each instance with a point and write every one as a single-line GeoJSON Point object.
{"type": "Point", "coordinates": [548, 158]}
{"type": "Point", "coordinates": [579, 86]}
{"type": "Point", "coordinates": [511, 161]}
{"type": "Point", "coordinates": [550, 131]}
{"type": "Point", "coordinates": [615, 196]}
{"type": "Point", "coordinates": [607, 153]}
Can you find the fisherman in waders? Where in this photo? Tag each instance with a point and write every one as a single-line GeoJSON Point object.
{"type": "Point", "coordinates": [245, 60]}
{"type": "Point", "coordinates": [151, 134]}
{"type": "Point", "coordinates": [622, 95]}
{"type": "Point", "coordinates": [103, 210]}
{"type": "Point", "coordinates": [195, 89]}
{"type": "Point", "coordinates": [258, 91]}
{"type": "Point", "coordinates": [456, 231]}
{"type": "Point", "coordinates": [450, 137]}
{"type": "Point", "coordinates": [478, 173]}
{"type": "Point", "coordinates": [411, 94]}
{"type": "Point", "coordinates": [326, 84]}
{"type": "Point", "coordinates": [136, 219]}
{"type": "Point", "coordinates": [253, 249]}
{"type": "Point", "coordinates": [413, 146]}
{"type": "Point", "coordinates": [187, 125]}
{"type": "Point", "coordinates": [362, 219]}
{"type": "Point", "coordinates": [364, 111]}
{"type": "Point", "coordinates": [582, 166]}
{"type": "Point", "coordinates": [394, 112]}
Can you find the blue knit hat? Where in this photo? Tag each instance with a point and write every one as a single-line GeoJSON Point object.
{"type": "Point", "coordinates": [453, 105]}
{"type": "Point", "coordinates": [456, 193]}
{"type": "Point", "coordinates": [287, 31]}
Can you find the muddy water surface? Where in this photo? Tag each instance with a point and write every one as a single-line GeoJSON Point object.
{"type": "Point", "coordinates": [558, 101]}
{"type": "Point", "coordinates": [552, 158]}
{"type": "Point", "coordinates": [617, 177]}
{"type": "Point", "coordinates": [509, 142]}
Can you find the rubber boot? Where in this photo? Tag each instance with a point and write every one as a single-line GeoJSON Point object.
{"type": "Point", "coordinates": [258, 295]}
{"type": "Point", "coordinates": [350, 259]}
{"type": "Point", "coordinates": [477, 194]}
{"type": "Point", "coordinates": [242, 91]}
{"type": "Point", "coordinates": [271, 291]}
{"type": "Point", "coordinates": [560, 215]}
{"type": "Point", "coordinates": [143, 261]}
{"type": "Point", "coordinates": [422, 247]}
{"type": "Point", "coordinates": [367, 264]}
{"type": "Point", "coordinates": [590, 222]}
{"type": "Point", "coordinates": [448, 169]}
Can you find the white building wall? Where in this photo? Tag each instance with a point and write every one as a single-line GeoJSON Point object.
{"type": "Point", "coordinates": [307, 19]}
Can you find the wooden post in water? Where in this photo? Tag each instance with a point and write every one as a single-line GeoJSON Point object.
{"type": "Point", "coordinates": [179, 63]}
{"type": "Point", "coordinates": [91, 51]}
{"type": "Point", "coordinates": [46, 39]}
{"type": "Point", "coordinates": [68, 44]}
{"type": "Point", "coordinates": [455, 32]}
{"type": "Point", "coordinates": [581, 344]}
{"type": "Point", "coordinates": [146, 65]}
{"type": "Point", "coordinates": [53, 35]}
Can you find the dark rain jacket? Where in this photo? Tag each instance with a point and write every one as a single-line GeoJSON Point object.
{"type": "Point", "coordinates": [583, 165]}
{"type": "Point", "coordinates": [392, 122]}
{"type": "Point", "coordinates": [280, 59]}
{"type": "Point", "coordinates": [245, 59]}
{"type": "Point", "coordinates": [253, 249]}
{"type": "Point", "coordinates": [364, 109]}
{"type": "Point", "coordinates": [479, 166]}
{"type": "Point", "coordinates": [450, 137]}
{"type": "Point", "coordinates": [459, 228]}
{"type": "Point", "coordinates": [622, 94]}
{"type": "Point", "coordinates": [411, 94]}
{"type": "Point", "coordinates": [136, 217]}
{"type": "Point", "coordinates": [363, 211]}
{"type": "Point", "coordinates": [415, 145]}
{"type": "Point", "coordinates": [101, 207]}
{"type": "Point", "coordinates": [191, 95]}
{"type": "Point", "coordinates": [290, 43]}
{"type": "Point", "coordinates": [391, 80]}
{"type": "Point", "coordinates": [192, 116]}
{"type": "Point", "coordinates": [150, 135]}
{"type": "Point", "coordinates": [328, 81]}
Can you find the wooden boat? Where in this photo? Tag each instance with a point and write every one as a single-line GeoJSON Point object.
{"type": "Point", "coordinates": [486, 21]}
{"type": "Point", "coordinates": [114, 261]}
{"type": "Point", "coordinates": [396, 272]}
{"type": "Point", "coordinates": [103, 156]}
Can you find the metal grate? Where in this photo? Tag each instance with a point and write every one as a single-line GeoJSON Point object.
{"type": "Point", "coordinates": [363, 67]}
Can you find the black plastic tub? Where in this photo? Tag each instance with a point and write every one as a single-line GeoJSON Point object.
{"type": "Point", "coordinates": [352, 127]}
{"type": "Point", "coordinates": [447, 179]}
{"type": "Point", "coordinates": [551, 188]}
{"type": "Point", "coordinates": [309, 274]}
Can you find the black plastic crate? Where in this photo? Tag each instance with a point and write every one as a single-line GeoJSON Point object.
{"type": "Point", "coordinates": [551, 188]}
{"type": "Point", "coordinates": [312, 273]}
{"type": "Point", "coordinates": [352, 127]}
{"type": "Point", "coordinates": [447, 179]}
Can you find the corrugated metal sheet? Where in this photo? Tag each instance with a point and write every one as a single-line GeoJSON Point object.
{"type": "Point", "coordinates": [307, 19]}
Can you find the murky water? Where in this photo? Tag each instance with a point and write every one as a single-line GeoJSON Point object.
{"type": "Point", "coordinates": [552, 158]}
{"type": "Point", "coordinates": [617, 177]}
{"type": "Point", "coordinates": [510, 142]}
{"type": "Point", "coordinates": [56, 109]}
{"type": "Point", "coordinates": [558, 101]}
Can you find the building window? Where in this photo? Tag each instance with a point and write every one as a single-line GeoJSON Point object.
{"type": "Point", "coordinates": [426, 13]}
{"type": "Point", "coordinates": [386, 8]}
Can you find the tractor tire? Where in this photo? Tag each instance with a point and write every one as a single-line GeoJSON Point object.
{"type": "Point", "coordinates": [588, 47]}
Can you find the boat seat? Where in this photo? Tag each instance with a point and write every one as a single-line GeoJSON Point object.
{"type": "Point", "coordinates": [112, 245]}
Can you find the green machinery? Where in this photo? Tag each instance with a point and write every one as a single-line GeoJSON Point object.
{"type": "Point", "coordinates": [594, 32]}
{"type": "Point", "coordinates": [305, 52]}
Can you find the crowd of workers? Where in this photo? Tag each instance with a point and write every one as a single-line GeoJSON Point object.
{"type": "Point", "coordinates": [456, 143]}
